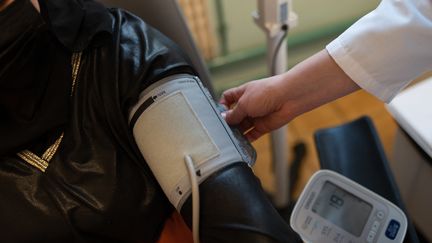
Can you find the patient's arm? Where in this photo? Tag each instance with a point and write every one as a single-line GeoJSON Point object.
{"type": "Point", "coordinates": [176, 117]}
{"type": "Point", "coordinates": [234, 208]}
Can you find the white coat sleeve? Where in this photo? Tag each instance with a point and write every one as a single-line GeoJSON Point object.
{"type": "Point", "coordinates": [387, 48]}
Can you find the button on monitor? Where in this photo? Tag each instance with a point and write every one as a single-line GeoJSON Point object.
{"type": "Point", "coordinates": [392, 229]}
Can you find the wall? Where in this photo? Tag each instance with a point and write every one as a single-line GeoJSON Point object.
{"type": "Point", "coordinates": [319, 23]}
{"type": "Point", "coordinates": [313, 14]}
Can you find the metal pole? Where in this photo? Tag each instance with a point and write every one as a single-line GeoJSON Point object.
{"type": "Point", "coordinates": [279, 145]}
{"type": "Point", "coordinates": [275, 17]}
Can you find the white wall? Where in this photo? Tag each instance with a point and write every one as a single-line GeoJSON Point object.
{"type": "Point", "coordinates": [313, 14]}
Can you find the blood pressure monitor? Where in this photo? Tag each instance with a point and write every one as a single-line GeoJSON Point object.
{"type": "Point", "coordinates": [333, 208]}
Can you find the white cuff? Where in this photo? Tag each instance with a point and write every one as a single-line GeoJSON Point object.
{"type": "Point", "coordinates": [357, 73]}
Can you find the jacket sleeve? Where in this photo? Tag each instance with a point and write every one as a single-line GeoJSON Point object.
{"type": "Point", "coordinates": [239, 211]}
{"type": "Point", "coordinates": [387, 48]}
{"type": "Point", "coordinates": [143, 56]}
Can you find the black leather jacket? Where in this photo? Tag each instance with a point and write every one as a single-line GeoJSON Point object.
{"type": "Point", "coordinates": [98, 187]}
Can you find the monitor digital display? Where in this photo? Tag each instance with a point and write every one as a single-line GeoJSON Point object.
{"type": "Point", "coordinates": [342, 208]}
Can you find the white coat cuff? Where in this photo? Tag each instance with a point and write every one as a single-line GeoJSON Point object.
{"type": "Point", "coordinates": [356, 72]}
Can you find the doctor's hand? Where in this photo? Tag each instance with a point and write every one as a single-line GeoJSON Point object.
{"type": "Point", "coordinates": [258, 107]}
{"type": "Point", "coordinates": [264, 105]}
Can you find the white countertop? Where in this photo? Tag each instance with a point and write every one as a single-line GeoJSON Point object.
{"type": "Point", "coordinates": [412, 109]}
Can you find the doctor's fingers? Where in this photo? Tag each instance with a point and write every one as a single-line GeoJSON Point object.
{"type": "Point", "coordinates": [253, 135]}
{"type": "Point", "coordinates": [263, 125]}
{"type": "Point", "coordinates": [231, 96]}
{"type": "Point", "coordinates": [246, 125]}
{"type": "Point", "coordinates": [259, 128]}
{"type": "Point", "coordinates": [236, 115]}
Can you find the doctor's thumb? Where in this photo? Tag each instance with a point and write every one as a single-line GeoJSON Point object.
{"type": "Point", "coordinates": [234, 116]}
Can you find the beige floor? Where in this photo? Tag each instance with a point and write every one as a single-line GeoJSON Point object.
{"type": "Point", "coordinates": [303, 127]}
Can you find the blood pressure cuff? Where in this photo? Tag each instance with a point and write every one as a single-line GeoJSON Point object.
{"type": "Point", "coordinates": [175, 117]}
